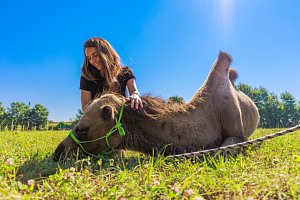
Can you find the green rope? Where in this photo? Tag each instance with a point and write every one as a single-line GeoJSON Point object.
{"type": "Point", "coordinates": [117, 127]}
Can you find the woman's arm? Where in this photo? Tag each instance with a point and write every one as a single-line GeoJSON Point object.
{"type": "Point", "coordinates": [86, 98]}
{"type": "Point", "coordinates": [134, 98]}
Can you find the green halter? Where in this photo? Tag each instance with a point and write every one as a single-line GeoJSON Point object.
{"type": "Point", "coordinates": [117, 127]}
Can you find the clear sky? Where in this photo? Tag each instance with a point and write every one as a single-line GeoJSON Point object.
{"type": "Point", "coordinates": [169, 44]}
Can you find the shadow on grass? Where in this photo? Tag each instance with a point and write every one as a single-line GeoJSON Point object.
{"type": "Point", "coordinates": [38, 169]}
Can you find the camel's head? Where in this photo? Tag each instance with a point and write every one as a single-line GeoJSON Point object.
{"type": "Point", "coordinates": [89, 135]}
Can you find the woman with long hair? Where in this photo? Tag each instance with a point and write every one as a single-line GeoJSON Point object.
{"type": "Point", "coordinates": [102, 71]}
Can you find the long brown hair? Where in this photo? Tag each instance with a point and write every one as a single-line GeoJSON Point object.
{"type": "Point", "coordinates": [109, 59]}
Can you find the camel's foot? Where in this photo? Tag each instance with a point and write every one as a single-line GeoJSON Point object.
{"type": "Point", "coordinates": [233, 140]}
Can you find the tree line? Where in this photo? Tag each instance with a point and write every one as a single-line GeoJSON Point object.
{"type": "Point", "coordinates": [275, 111]}
{"type": "Point", "coordinates": [20, 114]}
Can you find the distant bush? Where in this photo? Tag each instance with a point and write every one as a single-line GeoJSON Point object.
{"type": "Point", "coordinates": [63, 126]}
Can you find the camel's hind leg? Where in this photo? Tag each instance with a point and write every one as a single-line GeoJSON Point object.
{"type": "Point", "coordinates": [232, 130]}
{"type": "Point", "coordinates": [231, 121]}
{"type": "Point", "coordinates": [239, 119]}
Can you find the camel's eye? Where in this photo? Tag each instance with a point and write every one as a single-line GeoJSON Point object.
{"type": "Point", "coordinates": [82, 131]}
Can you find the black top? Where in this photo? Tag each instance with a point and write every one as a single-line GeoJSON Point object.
{"type": "Point", "coordinates": [96, 87]}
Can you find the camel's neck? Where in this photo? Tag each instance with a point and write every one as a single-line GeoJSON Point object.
{"type": "Point", "coordinates": [138, 138]}
{"type": "Point", "coordinates": [163, 135]}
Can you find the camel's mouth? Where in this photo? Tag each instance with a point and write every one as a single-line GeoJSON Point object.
{"type": "Point", "coordinates": [62, 152]}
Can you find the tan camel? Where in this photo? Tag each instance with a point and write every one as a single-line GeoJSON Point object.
{"type": "Point", "coordinates": [216, 115]}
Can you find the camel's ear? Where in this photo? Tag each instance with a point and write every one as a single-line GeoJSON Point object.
{"type": "Point", "coordinates": [107, 113]}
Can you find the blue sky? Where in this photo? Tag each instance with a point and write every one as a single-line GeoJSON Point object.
{"type": "Point", "coordinates": [169, 44]}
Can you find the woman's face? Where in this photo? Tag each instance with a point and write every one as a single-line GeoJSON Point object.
{"type": "Point", "coordinates": [93, 57]}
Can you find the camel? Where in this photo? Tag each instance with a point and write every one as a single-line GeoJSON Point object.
{"type": "Point", "coordinates": [217, 115]}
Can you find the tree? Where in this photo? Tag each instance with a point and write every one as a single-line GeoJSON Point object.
{"type": "Point", "coordinates": [26, 119]}
{"type": "Point", "coordinates": [176, 99]}
{"type": "Point", "coordinates": [16, 114]}
{"type": "Point", "coordinates": [245, 89]}
{"type": "Point", "coordinates": [259, 95]}
{"type": "Point", "coordinates": [38, 116]}
{"type": "Point", "coordinates": [298, 108]}
{"type": "Point", "coordinates": [76, 120]}
{"type": "Point", "coordinates": [2, 116]}
{"type": "Point", "coordinates": [2, 110]}
{"type": "Point", "coordinates": [290, 114]}
{"type": "Point", "coordinates": [271, 112]}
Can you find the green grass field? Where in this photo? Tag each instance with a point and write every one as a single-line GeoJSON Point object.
{"type": "Point", "coordinates": [271, 171]}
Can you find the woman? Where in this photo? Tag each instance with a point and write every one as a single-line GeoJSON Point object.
{"type": "Point", "coordinates": [102, 71]}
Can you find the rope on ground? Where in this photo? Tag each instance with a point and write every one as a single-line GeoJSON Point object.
{"type": "Point", "coordinates": [235, 146]}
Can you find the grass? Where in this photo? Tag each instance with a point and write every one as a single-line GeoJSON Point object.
{"type": "Point", "coordinates": [271, 171]}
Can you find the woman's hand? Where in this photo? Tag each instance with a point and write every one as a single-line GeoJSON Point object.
{"type": "Point", "coordinates": [135, 101]}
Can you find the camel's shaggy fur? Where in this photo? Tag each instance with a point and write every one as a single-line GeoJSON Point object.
{"type": "Point", "coordinates": [216, 115]}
